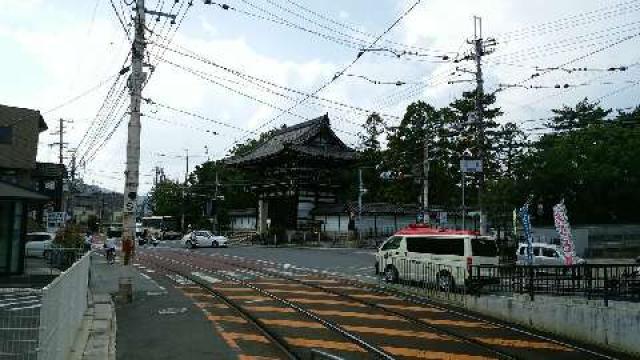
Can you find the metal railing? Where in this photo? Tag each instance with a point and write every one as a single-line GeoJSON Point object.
{"type": "Point", "coordinates": [19, 323]}
{"type": "Point", "coordinates": [446, 282]}
{"type": "Point", "coordinates": [591, 281]}
{"type": "Point", "coordinates": [64, 303]}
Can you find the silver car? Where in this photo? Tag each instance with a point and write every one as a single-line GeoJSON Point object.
{"type": "Point", "coordinates": [38, 244]}
{"type": "Point", "coordinates": [544, 254]}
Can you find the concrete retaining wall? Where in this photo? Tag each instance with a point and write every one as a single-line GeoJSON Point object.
{"type": "Point", "coordinates": [616, 327]}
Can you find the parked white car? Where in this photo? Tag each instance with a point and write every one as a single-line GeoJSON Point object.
{"type": "Point", "coordinates": [422, 253]}
{"type": "Point", "coordinates": [204, 238]}
{"type": "Point", "coordinates": [38, 244]}
{"type": "Point", "coordinates": [544, 254]}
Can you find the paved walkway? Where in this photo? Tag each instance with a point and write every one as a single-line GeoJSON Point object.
{"type": "Point", "coordinates": [160, 323]}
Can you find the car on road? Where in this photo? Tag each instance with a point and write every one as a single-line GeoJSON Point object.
{"type": "Point", "coordinates": [204, 238]}
{"type": "Point", "coordinates": [544, 254]}
{"type": "Point", "coordinates": [428, 254]}
{"type": "Point", "coordinates": [38, 244]}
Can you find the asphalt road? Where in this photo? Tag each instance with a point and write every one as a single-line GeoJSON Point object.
{"type": "Point", "coordinates": [358, 263]}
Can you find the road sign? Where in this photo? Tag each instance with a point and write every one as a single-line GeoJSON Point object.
{"type": "Point", "coordinates": [130, 206]}
{"type": "Point", "coordinates": [471, 166]}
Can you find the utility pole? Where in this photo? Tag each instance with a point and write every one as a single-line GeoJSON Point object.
{"type": "Point", "coordinates": [186, 172]}
{"type": "Point", "coordinates": [61, 146]}
{"type": "Point", "coordinates": [425, 172]}
{"type": "Point", "coordinates": [135, 83]}
{"type": "Point", "coordinates": [481, 48]}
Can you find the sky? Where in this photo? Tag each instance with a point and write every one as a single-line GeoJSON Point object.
{"type": "Point", "coordinates": [261, 57]}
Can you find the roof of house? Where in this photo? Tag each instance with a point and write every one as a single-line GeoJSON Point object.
{"type": "Point", "coordinates": [13, 192]}
{"type": "Point", "coordinates": [11, 115]}
{"type": "Point", "coordinates": [297, 138]}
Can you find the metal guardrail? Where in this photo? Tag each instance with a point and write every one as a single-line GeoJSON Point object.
{"type": "Point", "coordinates": [436, 280]}
{"type": "Point", "coordinates": [591, 281]}
{"type": "Point", "coordinates": [64, 303]}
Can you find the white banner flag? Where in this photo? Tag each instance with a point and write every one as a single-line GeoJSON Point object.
{"type": "Point", "coordinates": [561, 221]}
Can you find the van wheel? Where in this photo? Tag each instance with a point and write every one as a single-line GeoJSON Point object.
{"type": "Point", "coordinates": [191, 245]}
{"type": "Point", "coordinates": [391, 274]}
{"type": "Point", "coordinates": [445, 281]}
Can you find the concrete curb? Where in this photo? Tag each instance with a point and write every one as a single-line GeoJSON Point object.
{"type": "Point", "coordinates": [96, 339]}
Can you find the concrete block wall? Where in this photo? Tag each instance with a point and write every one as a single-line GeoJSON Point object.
{"type": "Point", "coordinates": [616, 327]}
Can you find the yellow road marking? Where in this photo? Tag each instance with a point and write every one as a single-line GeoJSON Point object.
{"type": "Point", "coordinates": [273, 283]}
{"type": "Point", "coordinates": [523, 344]}
{"type": "Point", "coordinates": [325, 302]}
{"type": "Point", "coordinates": [413, 308]}
{"type": "Point", "coordinates": [323, 344]}
{"type": "Point", "coordinates": [432, 355]}
{"type": "Point", "coordinates": [352, 288]}
{"type": "Point", "coordinates": [375, 297]}
{"type": "Point", "coordinates": [301, 292]}
{"type": "Point", "coordinates": [357, 315]}
{"type": "Point", "coordinates": [269, 309]}
{"type": "Point", "coordinates": [251, 357]}
{"type": "Point", "coordinates": [248, 297]}
{"type": "Point", "coordinates": [293, 323]}
{"type": "Point", "coordinates": [395, 332]}
{"type": "Point", "coordinates": [466, 324]}
{"type": "Point", "coordinates": [246, 337]}
{"type": "Point", "coordinates": [233, 319]}
{"type": "Point", "coordinates": [233, 289]}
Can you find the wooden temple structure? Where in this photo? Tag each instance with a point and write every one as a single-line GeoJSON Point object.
{"type": "Point", "coordinates": [299, 166]}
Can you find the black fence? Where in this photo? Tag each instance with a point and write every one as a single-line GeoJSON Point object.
{"type": "Point", "coordinates": [590, 281]}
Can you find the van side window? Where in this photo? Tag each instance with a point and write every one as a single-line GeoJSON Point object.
{"type": "Point", "coordinates": [522, 250]}
{"type": "Point", "coordinates": [392, 243]}
{"type": "Point", "coordinates": [547, 252]}
{"type": "Point", "coordinates": [483, 247]}
{"type": "Point", "coordinates": [536, 251]}
{"type": "Point", "coordinates": [436, 246]}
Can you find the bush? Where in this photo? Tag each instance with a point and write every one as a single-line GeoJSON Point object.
{"type": "Point", "coordinates": [69, 237]}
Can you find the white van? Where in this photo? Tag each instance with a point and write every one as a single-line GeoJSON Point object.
{"type": "Point", "coordinates": [441, 256]}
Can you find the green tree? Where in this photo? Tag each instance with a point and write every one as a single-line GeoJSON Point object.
{"type": "Point", "coordinates": [370, 157]}
{"type": "Point", "coordinates": [593, 166]}
{"type": "Point", "coordinates": [584, 114]}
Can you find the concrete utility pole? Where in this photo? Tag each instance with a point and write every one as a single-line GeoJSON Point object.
{"type": "Point", "coordinates": [480, 49]}
{"type": "Point", "coordinates": [61, 146]}
{"type": "Point", "coordinates": [136, 81]}
{"type": "Point", "coordinates": [425, 172]}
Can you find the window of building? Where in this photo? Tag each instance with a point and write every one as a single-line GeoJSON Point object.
{"type": "Point", "coordinates": [6, 135]}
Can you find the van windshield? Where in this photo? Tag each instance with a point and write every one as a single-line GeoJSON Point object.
{"type": "Point", "coordinates": [484, 247]}
{"type": "Point", "coordinates": [438, 246]}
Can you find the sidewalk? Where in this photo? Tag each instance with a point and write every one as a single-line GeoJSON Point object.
{"type": "Point", "coordinates": [144, 333]}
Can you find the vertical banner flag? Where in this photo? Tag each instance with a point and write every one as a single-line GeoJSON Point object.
{"type": "Point", "coordinates": [561, 221]}
{"type": "Point", "coordinates": [526, 227]}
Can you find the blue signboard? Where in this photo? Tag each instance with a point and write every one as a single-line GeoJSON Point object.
{"type": "Point", "coordinates": [526, 227]}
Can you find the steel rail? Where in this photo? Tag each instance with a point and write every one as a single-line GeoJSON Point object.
{"type": "Point", "coordinates": [328, 324]}
{"type": "Point", "coordinates": [419, 300]}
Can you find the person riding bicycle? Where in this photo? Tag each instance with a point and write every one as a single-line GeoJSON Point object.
{"type": "Point", "coordinates": [110, 249]}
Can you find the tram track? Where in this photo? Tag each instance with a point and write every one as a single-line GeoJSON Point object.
{"type": "Point", "coordinates": [421, 301]}
{"type": "Point", "coordinates": [398, 325]}
{"type": "Point", "coordinates": [404, 316]}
